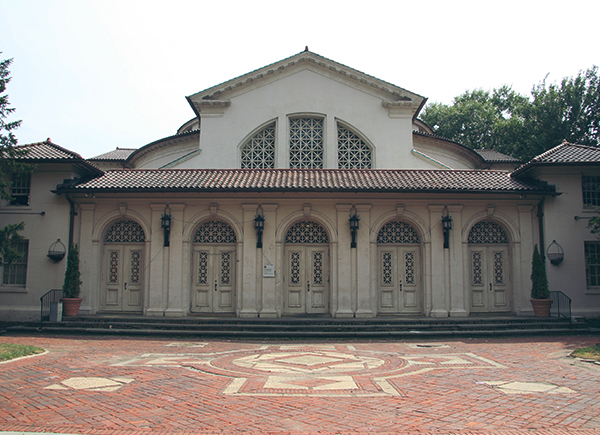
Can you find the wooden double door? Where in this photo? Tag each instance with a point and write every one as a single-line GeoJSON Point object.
{"type": "Point", "coordinates": [490, 278]}
{"type": "Point", "coordinates": [122, 278]}
{"type": "Point", "coordinates": [214, 279]}
{"type": "Point", "coordinates": [306, 280]}
{"type": "Point", "coordinates": [399, 280]}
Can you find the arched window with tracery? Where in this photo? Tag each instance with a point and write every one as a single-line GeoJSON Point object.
{"type": "Point", "coordinates": [397, 232]}
{"type": "Point", "coordinates": [259, 151]}
{"type": "Point", "coordinates": [215, 231]}
{"type": "Point", "coordinates": [306, 143]}
{"type": "Point", "coordinates": [306, 232]}
{"type": "Point", "coordinates": [353, 152]}
{"type": "Point", "coordinates": [487, 232]}
{"type": "Point", "coordinates": [125, 231]}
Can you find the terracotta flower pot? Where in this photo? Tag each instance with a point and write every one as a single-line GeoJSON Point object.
{"type": "Point", "coordinates": [541, 307]}
{"type": "Point", "coordinates": [71, 306]}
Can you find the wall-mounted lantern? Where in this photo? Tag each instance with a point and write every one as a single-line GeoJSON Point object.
{"type": "Point", "coordinates": [555, 253]}
{"type": "Point", "coordinates": [165, 224]}
{"type": "Point", "coordinates": [354, 224]}
{"type": "Point", "coordinates": [446, 226]}
{"type": "Point", "coordinates": [57, 251]}
{"type": "Point", "coordinates": [259, 226]}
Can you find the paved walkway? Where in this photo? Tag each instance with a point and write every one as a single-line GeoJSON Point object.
{"type": "Point", "coordinates": [139, 386]}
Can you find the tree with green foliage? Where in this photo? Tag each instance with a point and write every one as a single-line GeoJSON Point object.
{"type": "Point", "coordinates": [72, 283]}
{"type": "Point", "coordinates": [9, 164]}
{"type": "Point", "coordinates": [523, 126]}
{"type": "Point", "coordinates": [539, 280]}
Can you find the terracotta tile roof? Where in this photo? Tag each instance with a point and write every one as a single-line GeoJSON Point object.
{"type": "Point", "coordinates": [564, 154]}
{"type": "Point", "coordinates": [47, 151]}
{"type": "Point", "coordinates": [311, 180]}
{"type": "Point", "coordinates": [118, 154]}
{"type": "Point", "coordinates": [493, 156]}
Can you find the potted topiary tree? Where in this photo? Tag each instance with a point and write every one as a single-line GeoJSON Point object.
{"type": "Point", "coordinates": [72, 284]}
{"type": "Point", "coordinates": [540, 293]}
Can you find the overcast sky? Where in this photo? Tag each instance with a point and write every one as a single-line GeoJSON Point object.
{"type": "Point", "coordinates": [96, 75]}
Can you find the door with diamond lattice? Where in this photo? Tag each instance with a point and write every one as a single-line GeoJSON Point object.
{"type": "Point", "coordinates": [122, 278]}
{"type": "Point", "coordinates": [306, 280]}
{"type": "Point", "coordinates": [399, 280]}
{"type": "Point", "coordinates": [214, 279]}
{"type": "Point", "coordinates": [490, 278]}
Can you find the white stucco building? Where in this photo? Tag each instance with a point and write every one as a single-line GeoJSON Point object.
{"type": "Point", "coordinates": [306, 144]}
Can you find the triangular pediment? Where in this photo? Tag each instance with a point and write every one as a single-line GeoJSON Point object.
{"type": "Point", "coordinates": [390, 95]}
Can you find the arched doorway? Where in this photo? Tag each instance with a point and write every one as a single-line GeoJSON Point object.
{"type": "Point", "coordinates": [306, 273]}
{"type": "Point", "coordinates": [489, 258]}
{"type": "Point", "coordinates": [399, 280]}
{"type": "Point", "coordinates": [213, 268]}
{"type": "Point", "coordinates": [122, 266]}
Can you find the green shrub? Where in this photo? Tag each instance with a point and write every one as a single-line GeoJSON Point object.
{"type": "Point", "coordinates": [539, 280]}
{"type": "Point", "coordinates": [72, 284]}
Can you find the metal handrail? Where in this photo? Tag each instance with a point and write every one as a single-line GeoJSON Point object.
{"type": "Point", "coordinates": [46, 300]}
{"type": "Point", "coordinates": [561, 305]}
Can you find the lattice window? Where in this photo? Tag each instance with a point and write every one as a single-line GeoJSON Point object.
{"type": "Point", "coordinates": [590, 186]}
{"type": "Point", "coordinates": [306, 232]}
{"type": "Point", "coordinates": [498, 268]}
{"type": "Point", "coordinates": [592, 264]}
{"type": "Point", "coordinates": [203, 268]}
{"type": "Point", "coordinates": [125, 231]}
{"type": "Point", "coordinates": [113, 267]}
{"type": "Point", "coordinates": [487, 233]}
{"type": "Point", "coordinates": [259, 151]}
{"type": "Point", "coordinates": [318, 268]}
{"type": "Point", "coordinates": [353, 152]}
{"type": "Point", "coordinates": [397, 232]}
{"type": "Point", "coordinates": [136, 256]}
{"type": "Point", "coordinates": [215, 232]}
{"type": "Point", "coordinates": [16, 272]}
{"type": "Point", "coordinates": [477, 268]}
{"type": "Point", "coordinates": [387, 268]}
{"type": "Point", "coordinates": [226, 268]}
{"type": "Point", "coordinates": [306, 143]}
{"type": "Point", "coordinates": [295, 268]}
{"type": "Point", "coordinates": [409, 264]}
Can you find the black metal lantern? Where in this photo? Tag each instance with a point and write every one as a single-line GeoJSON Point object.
{"type": "Point", "coordinates": [555, 253]}
{"type": "Point", "coordinates": [57, 251]}
{"type": "Point", "coordinates": [165, 224]}
{"type": "Point", "coordinates": [446, 226]}
{"type": "Point", "coordinates": [259, 226]}
{"type": "Point", "coordinates": [354, 224]}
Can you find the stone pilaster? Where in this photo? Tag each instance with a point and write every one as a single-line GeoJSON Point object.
{"type": "Point", "coordinates": [175, 307]}
{"type": "Point", "coordinates": [438, 257]}
{"type": "Point", "coordinates": [365, 298]}
{"type": "Point", "coordinates": [267, 256]}
{"type": "Point", "coordinates": [343, 295]}
{"type": "Point", "coordinates": [458, 290]}
{"type": "Point", "coordinates": [249, 265]}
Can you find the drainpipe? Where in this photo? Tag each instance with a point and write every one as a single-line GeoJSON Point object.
{"type": "Point", "coordinates": [540, 216]}
{"type": "Point", "coordinates": [72, 215]}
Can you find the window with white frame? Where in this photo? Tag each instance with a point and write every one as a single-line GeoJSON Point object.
{"type": "Point", "coordinates": [259, 151]}
{"type": "Point", "coordinates": [16, 272]}
{"type": "Point", "coordinates": [19, 189]}
{"type": "Point", "coordinates": [592, 264]}
{"type": "Point", "coordinates": [353, 152]}
{"type": "Point", "coordinates": [590, 185]}
{"type": "Point", "coordinates": [306, 143]}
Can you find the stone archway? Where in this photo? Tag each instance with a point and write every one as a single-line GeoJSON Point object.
{"type": "Point", "coordinates": [214, 268]}
{"type": "Point", "coordinates": [489, 268]}
{"type": "Point", "coordinates": [122, 267]}
{"type": "Point", "coordinates": [399, 281]}
{"type": "Point", "coordinates": [306, 272]}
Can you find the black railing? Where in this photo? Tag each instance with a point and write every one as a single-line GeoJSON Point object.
{"type": "Point", "coordinates": [53, 296]}
{"type": "Point", "coordinates": [561, 305]}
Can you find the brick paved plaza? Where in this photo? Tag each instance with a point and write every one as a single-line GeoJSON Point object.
{"type": "Point", "coordinates": [107, 385]}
